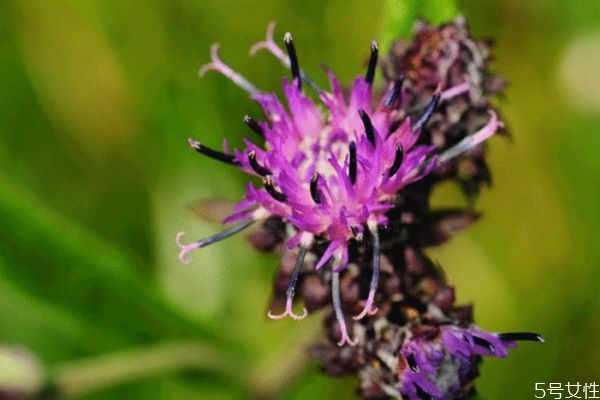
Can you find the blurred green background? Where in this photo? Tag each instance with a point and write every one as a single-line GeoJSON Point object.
{"type": "Point", "coordinates": [97, 99]}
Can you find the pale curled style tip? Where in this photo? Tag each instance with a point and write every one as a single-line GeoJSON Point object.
{"type": "Point", "coordinates": [184, 257]}
{"type": "Point", "coordinates": [339, 312]}
{"type": "Point", "coordinates": [219, 66]}
{"type": "Point", "coordinates": [185, 249]}
{"type": "Point", "coordinates": [269, 44]}
{"type": "Point", "coordinates": [272, 47]}
{"type": "Point", "coordinates": [369, 309]}
{"type": "Point", "coordinates": [288, 312]}
{"type": "Point", "coordinates": [289, 302]}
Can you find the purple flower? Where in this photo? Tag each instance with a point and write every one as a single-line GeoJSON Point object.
{"type": "Point", "coordinates": [448, 54]}
{"type": "Point", "coordinates": [331, 171]}
{"type": "Point", "coordinates": [439, 367]}
{"type": "Point", "coordinates": [421, 345]}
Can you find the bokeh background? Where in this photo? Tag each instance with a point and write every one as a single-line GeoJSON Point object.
{"type": "Point", "coordinates": [97, 99]}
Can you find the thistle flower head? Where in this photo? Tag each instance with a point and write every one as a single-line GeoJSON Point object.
{"type": "Point", "coordinates": [449, 55]}
{"type": "Point", "coordinates": [430, 362]}
{"type": "Point", "coordinates": [331, 171]}
{"type": "Point", "coordinates": [420, 346]}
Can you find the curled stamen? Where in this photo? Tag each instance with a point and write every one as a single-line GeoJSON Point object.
{"type": "Point", "coordinates": [472, 140]}
{"type": "Point", "coordinates": [370, 75]}
{"type": "Point", "coordinates": [522, 336]}
{"type": "Point", "coordinates": [314, 189]}
{"type": "Point", "coordinates": [369, 129]}
{"type": "Point", "coordinates": [395, 93]}
{"type": "Point", "coordinates": [369, 309]}
{"type": "Point", "coordinates": [339, 313]}
{"type": "Point", "coordinates": [272, 47]}
{"type": "Point", "coordinates": [428, 112]}
{"type": "Point", "coordinates": [352, 163]}
{"type": "Point", "coordinates": [259, 169]}
{"type": "Point", "coordinates": [214, 154]}
{"type": "Point", "coordinates": [397, 160]}
{"type": "Point", "coordinates": [291, 291]}
{"type": "Point", "coordinates": [294, 65]}
{"type": "Point", "coordinates": [277, 195]}
{"type": "Point", "coordinates": [217, 65]}
{"type": "Point", "coordinates": [188, 248]}
{"type": "Point", "coordinates": [252, 124]}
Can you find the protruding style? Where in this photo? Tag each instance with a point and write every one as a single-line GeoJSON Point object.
{"type": "Point", "coordinates": [394, 96]}
{"type": "Point", "coordinates": [398, 157]}
{"type": "Point", "coordinates": [428, 112]}
{"type": "Point", "coordinates": [372, 67]}
{"type": "Point", "coordinates": [339, 312]}
{"type": "Point", "coordinates": [214, 154]}
{"type": "Point", "coordinates": [187, 248]}
{"type": "Point", "coordinates": [314, 189]}
{"type": "Point", "coordinates": [252, 124]}
{"type": "Point", "coordinates": [369, 308]}
{"type": "Point", "coordinates": [259, 169]}
{"type": "Point", "coordinates": [294, 65]}
{"type": "Point", "coordinates": [291, 289]}
{"type": "Point", "coordinates": [368, 125]}
{"type": "Point", "coordinates": [352, 162]}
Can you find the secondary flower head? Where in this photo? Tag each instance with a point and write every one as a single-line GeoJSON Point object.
{"type": "Point", "coordinates": [332, 171]}
{"type": "Point", "coordinates": [448, 54]}
{"type": "Point", "coordinates": [420, 346]}
{"type": "Point", "coordinates": [417, 361]}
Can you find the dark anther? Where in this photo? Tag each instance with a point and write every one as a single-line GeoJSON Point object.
{"type": "Point", "coordinates": [412, 363]}
{"type": "Point", "coordinates": [395, 93]}
{"type": "Point", "coordinates": [294, 66]}
{"type": "Point", "coordinates": [423, 395]}
{"type": "Point", "coordinates": [252, 124]}
{"type": "Point", "coordinates": [485, 344]}
{"type": "Point", "coordinates": [354, 230]}
{"type": "Point", "coordinates": [273, 192]}
{"type": "Point", "coordinates": [352, 163]}
{"type": "Point", "coordinates": [314, 190]}
{"type": "Point", "coordinates": [370, 75]}
{"type": "Point", "coordinates": [217, 155]}
{"type": "Point", "coordinates": [397, 160]}
{"type": "Point", "coordinates": [428, 112]}
{"type": "Point", "coordinates": [528, 336]}
{"type": "Point", "coordinates": [369, 129]}
{"type": "Point", "coordinates": [259, 169]}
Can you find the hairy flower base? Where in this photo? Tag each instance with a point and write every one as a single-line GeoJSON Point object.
{"type": "Point", "coordinates": [332, 172]}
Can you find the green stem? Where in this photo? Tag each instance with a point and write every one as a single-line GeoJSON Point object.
{"type": "Point", "coordinates": [78, 378]}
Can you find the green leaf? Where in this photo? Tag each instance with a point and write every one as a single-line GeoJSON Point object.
{"type": "Point", "coordinates": [64, 336]}
{"type": "Point", "coordinates": [73, 268]}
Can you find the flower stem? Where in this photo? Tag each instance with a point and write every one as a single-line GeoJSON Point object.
{"type": "Point", "coordinates": [78, 378]}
